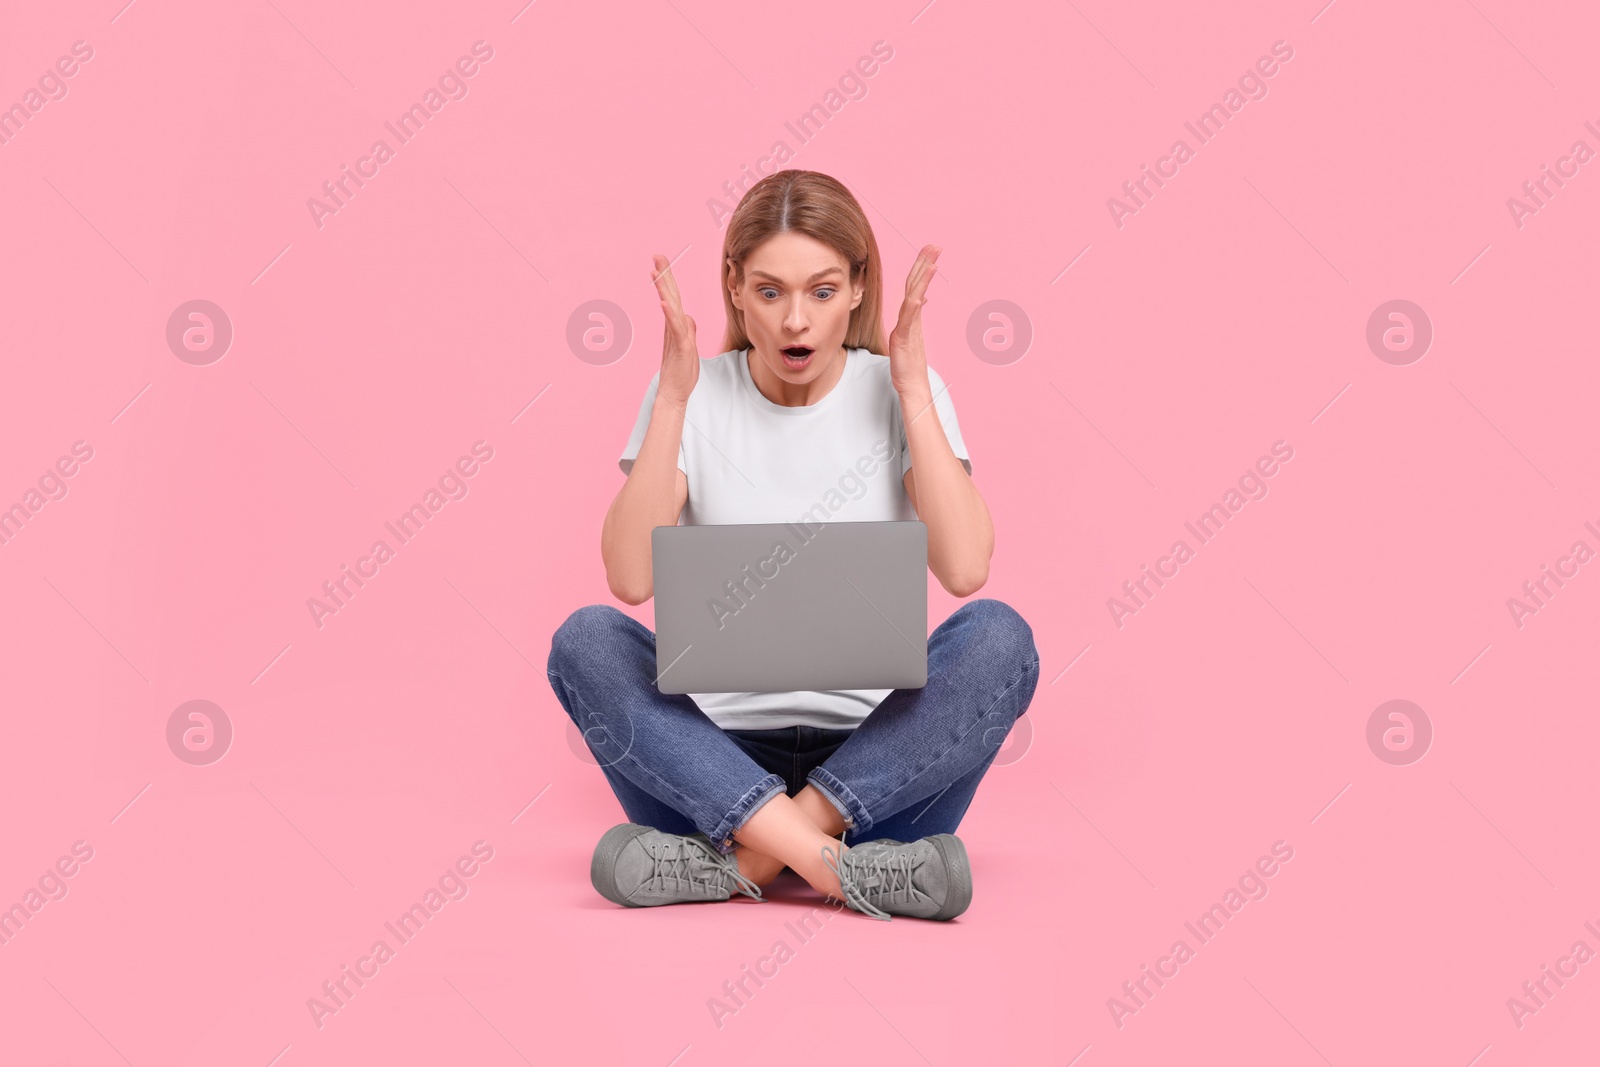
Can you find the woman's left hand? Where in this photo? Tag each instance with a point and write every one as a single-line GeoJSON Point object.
{"type": "Point", "coordinates": [908, 363]}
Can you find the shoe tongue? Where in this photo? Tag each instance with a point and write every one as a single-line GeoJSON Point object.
{"type": "Point", "coordinates": [881, 870]}
{"type": "Point", "coordinates": [683, 856]}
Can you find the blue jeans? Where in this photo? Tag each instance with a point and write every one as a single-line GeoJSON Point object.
{"type": "Point", "coordinates": [907, 772]}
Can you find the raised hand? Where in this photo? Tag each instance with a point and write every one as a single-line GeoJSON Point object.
{"type": "Point", "coordinates": [680, 356]}
{"type": "Point", "coordinates": [908, 363]}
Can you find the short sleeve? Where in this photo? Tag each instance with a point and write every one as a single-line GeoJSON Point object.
{"type": "Point", "coordinates": [630, 452]}
{"type": "Point", "coordinates": [945, 408]}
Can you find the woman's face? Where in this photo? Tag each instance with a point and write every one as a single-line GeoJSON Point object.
{"type": "Point", "coordinates": [796, 294]}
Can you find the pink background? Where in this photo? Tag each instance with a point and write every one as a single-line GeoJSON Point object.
{"type": "Point", "coordinates": [368, 354]}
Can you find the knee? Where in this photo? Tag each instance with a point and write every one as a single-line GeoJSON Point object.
{"type": "Point", "coordinates": [590, 627]}
{"type": "Point", "coordinates": [1001, 633]}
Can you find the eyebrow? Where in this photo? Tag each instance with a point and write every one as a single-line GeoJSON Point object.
{"type": "Point", "coordinates": [815, 277]}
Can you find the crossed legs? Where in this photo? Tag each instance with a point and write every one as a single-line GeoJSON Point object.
{"type": "Point", "coordinates": [675, 770]}
{"type": "Point", "coordinates": [791, 832]}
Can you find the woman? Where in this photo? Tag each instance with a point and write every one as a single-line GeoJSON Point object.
{"type": "Point", "coordinates": [859, 792]}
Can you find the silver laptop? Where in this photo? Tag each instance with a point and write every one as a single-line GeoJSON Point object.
{"type": "Point", "coordinates": [780, 607]}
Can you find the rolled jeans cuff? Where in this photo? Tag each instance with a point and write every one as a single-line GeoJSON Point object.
{"type": "Point", "coordinates": [856, 816]}
{"type": "Point", "coordinates": [722, 834]}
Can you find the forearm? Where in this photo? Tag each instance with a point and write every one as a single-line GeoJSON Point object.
{"type": "Point", "coordinates": [960, 530]}
{"type": "Point", "coordinates": [646, 500]}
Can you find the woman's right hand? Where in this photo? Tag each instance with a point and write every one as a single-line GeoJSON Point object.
{"type": "Point", "coordinates": [680, 356]}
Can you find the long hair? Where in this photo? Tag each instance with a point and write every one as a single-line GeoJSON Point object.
{"type": "Point", "coordinates": [812, 203]}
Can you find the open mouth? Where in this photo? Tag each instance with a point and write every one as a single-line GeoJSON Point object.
{"type": "Point", "coordinates": [796, 356]}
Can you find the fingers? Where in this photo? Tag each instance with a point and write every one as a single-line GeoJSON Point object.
{"type": "Point", "coordinates": [922, 272]}
{"type": "Point", "coordinates": [667, 285]}
{"type": "Point", "coordinates": [679, 329]}
{"type": "Point", "coordinates": [917, 280]}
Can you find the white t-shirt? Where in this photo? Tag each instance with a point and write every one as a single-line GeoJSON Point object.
{"type": "Point", "coordinates": [749, 460]}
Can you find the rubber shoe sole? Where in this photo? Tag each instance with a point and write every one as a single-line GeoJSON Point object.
{"type": "Point", "coordinates": [603, 867]}
{"type": "Point", "coordinates": [954, 854]}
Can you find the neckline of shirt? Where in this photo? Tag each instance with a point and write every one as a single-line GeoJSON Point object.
{"type": "Point", "coordinates": [760, 400]}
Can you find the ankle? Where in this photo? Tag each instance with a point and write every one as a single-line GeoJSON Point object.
{"type": "Point", "coordinates": [820, 875]}
{"type": "Point", "coordinates": [820, 810]}
{"type": "Point", "coordinates": [759, 868]}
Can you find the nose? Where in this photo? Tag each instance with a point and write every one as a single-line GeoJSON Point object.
{"type": "Point", "coordinates": [794, 320]}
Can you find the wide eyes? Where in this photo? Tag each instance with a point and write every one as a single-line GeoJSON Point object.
{"type": "Point", "coordinates": [825, 293]}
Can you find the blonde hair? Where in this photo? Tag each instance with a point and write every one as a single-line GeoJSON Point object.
{"type": "Point", "coordinates": [812, 203]}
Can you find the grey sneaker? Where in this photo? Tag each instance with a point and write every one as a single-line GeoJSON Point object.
{"type": "Point", "coordinates": [926, 879]}
{"type": "Point", "coordinates": [640, 867]}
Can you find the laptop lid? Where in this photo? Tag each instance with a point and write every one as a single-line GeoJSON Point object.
{"type": "Point", "coordinates": [780, 607]}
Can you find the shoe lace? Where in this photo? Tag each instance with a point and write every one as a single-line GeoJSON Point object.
{"type": "Point", "coordinates": [888, 874]}
{"type": "Point", "coordinates": [694, 862]}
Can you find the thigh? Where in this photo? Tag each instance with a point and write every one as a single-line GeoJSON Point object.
{"type": "Point", "coordinates": [646, 810]}
{"type": "Point", "coordinates": [602, 669]}
{"type": "Point", "coordinates": [930, 746]}
{"type": "Point", "coordinates": [940, 814]}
